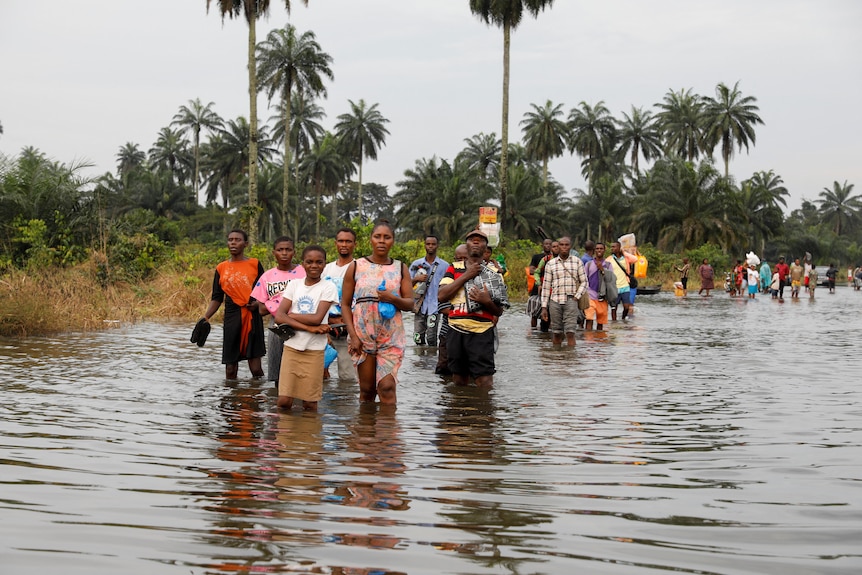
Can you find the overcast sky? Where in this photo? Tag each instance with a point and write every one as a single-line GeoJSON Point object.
{"type": "Point", "coordinates": [80, 79]}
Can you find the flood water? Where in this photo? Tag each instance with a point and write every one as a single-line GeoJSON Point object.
{"type": "Point", "coordinates": [704, 436]}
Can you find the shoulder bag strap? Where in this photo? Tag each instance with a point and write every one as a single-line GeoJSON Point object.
{"type": "Point", "coordinates": [621, 267]}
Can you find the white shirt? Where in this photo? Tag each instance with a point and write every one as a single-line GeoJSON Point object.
{"type": "Point", "coordinates": [334, 273]}
{"type": "Point", "coordinates": [306, 299]}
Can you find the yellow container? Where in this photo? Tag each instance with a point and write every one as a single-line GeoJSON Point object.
{"type": "Point", "coordinates": [487, 215]}
{"type": "Point", "coordinates": [678, 291]}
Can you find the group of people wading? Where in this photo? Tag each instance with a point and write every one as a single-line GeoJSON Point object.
{"type": "Point", "coordinates": [353, 306]}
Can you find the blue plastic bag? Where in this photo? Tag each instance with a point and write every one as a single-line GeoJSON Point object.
{"type": "Point", "coordinates": [329, 355]}
{"type": "Point", "coordinates": [384, 308]}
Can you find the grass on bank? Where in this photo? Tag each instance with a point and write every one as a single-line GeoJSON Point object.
{"type": "Point", "coordinates": [177, 284]}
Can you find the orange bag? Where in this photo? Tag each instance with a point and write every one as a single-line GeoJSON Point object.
{"type": "Point", "coordinates": [531, 281]}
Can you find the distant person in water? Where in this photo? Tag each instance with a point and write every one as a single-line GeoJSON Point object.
{"type": "Point", "coordinates": [707, 277]}
{"type": "Point", "coordinates": [812, 281]}
{"type": "Point", "coordinates": [831, 275]}
{"type": "Point", "coordinates": [753, 281]}
{"type": "Point", "coordinates": [796, 274]}
{"type": "Point", "coordinates": [683, 277]}
{"type": "Point", "coordinates": [243, 327]}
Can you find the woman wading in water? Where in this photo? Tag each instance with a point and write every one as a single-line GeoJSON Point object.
{"type": "Point", "coordinates": [376, 290]}
{"type": "Point", "coordinates": [243, 326]}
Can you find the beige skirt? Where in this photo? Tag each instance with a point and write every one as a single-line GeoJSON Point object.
{"type": "Point", "coordinates": [301, 374]}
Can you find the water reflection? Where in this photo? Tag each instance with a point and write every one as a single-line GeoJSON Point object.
{"type": "Point", "coordinates": [675, 442]}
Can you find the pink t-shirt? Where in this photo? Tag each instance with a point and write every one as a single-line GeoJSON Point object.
{"type": "Point", "coordinates": [268, 288]}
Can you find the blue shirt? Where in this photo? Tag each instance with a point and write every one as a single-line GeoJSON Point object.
{"type": "Point", "coordinates": [430, 303]}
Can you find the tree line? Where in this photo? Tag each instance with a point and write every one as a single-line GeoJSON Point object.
{"type": "Point", "coordinates": [650, 170]}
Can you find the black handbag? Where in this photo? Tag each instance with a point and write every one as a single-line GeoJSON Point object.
{"type": "Point", "coordinates": [633, 282]}
{"type": "Point", "coordinates": [284, 331]}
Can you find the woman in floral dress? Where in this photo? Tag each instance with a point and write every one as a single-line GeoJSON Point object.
{"type": "Point", "coordinates": [375, 335]}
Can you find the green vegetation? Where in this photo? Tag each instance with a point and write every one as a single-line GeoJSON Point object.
{"type": "Point", "coordinates": [650, 171]}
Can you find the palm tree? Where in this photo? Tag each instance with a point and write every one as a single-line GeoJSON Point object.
{"type": "Point", "coordinates": [437, 197]}
{"type": "Point", "coordinates": [639, 134]}
{"type": "Point", "coordinates": [762, 196]}
{"type": "Point", "coordinates": [604, 210]}
{"type": "Point", "coordinates": [305, 131]}
{"type": "Point", "coordinates": [592, 134]}
{"type": "Point", "coordinates": [839, 206]}
{"type": "Point", "coordinates": [361, 132]}
{"type": "Point", "coordinates": [129, 158]}
{"type": "Point", "coordinates": [532, 201]}
{"type": "Point", "coordinates": [681, 123]}
{"type": "Point", "coordinates": [730, 118]}
{"type": "Point", "coordinates": [196, 117]}
{"type": "Point", "coordinates": [287, 61]}
{"type": "Point", "coordinates": [482, 154]}
{"type": "Point", "coordinates": [326, 168]}
{"type": "Point", "coordinates": [170, 152]}
{"type": "Point", "coordinates": [506, 14]}
{"type": "Point", "coordinates": [252, 10]}
{"type": "Point", "coordinates": [687, 206]}
{"type": "Point", "coordinates": [227, 158]}
{"type": "Point", "coordinates": [545, 135]}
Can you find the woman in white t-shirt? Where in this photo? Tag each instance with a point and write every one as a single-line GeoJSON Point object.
{"type": "Point", "coordinates": [305, 307]}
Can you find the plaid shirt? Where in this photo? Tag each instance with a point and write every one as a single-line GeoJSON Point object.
{"type": "Point", "coordinates": [563, 278]}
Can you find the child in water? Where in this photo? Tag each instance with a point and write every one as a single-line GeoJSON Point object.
{"type": "Point", "coordinates": [305, 307]}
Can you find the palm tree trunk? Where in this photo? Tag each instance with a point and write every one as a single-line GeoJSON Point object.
{"type": "Point", "coordinates": [286, 179]}
{"type": "Point", "coordinates": [545, 178]}
{"type": "Point", "coordinates": [252, 124]}
{"type": "Point", "coordinates": [317, 219]}
{"type": "Point", "coordinates": [296, 179]}
{"type": "Point", "coordinates": [504, 152]}
{"type": "Point", "coordinates": [334, 207]}
{"type": "Point", "coordinates": [197, 167]}
{"type": "Point", "coordinates": [360, 185]}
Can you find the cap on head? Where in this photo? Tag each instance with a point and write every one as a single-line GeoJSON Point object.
{"type": "Point", "coordinates": [479, 233]}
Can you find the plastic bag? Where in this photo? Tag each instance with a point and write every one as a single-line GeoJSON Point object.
{"type": "Point", "coordinates": [752, 259]}
{"type": "Point", "coordinates": [384, 308]}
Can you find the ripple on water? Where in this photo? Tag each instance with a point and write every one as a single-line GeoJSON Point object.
{"type": "Point", "coordinates": [705, 436]}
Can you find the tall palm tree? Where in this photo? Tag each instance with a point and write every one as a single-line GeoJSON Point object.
{"type": "Point", "coordinates": [506, 14]}
{"type": "Point", "coordinates": [730, 118]}
{"type": "Point", "coordinates": [196, 117]}
{"type": "Point", "coordinates": [545, 135]}
{"type": "Point", "coordinates": [482, 154]}
{"type": "Point", "coordinates": [592, 133]}
{"type": "Point", "coordinates": [326, 168]}
{"type": "Point", "coordinates": [285, 62]}
{"type": "Point", "coordinates": [639, 134]}
{"type": "Point", "coordinates": [762, 196]}
{"type": "Point", "coordinates": [252, 10]}
{"type": "Point", "coordinates": [680, 120]}
{"type": "Point", "coordinates": [361, 132]}
{"type": "Point", "coordinates": [305, 132]}
{"type": "Point", "coordinates": [839, 206]}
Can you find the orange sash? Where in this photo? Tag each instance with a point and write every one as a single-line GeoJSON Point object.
{"type": "Point", "coordinates": [237, 281]}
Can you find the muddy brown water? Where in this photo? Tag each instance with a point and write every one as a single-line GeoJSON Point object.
{"type": "Point", "coordinates": [704, 436]}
